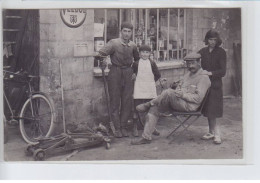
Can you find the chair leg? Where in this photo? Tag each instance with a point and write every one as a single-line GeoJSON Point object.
{"type": "Point", "coordinates": [181, 124]}
{"type": "Point", "coordinates": [185, 128]}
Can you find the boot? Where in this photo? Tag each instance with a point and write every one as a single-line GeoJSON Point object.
{"type": "Point", "coordinates": [118, 134]}
{"type": "Point", "coordinates": [140, 141]}
{"type": "Point", "coordinates": [156, 132]}
{"type": "Point", "coordinates": [135, 131]}
{"type": "Point", "coordinates": [124, 133]}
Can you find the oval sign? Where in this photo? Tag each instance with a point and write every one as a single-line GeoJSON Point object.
{"type": "Point", "coordinates": [73, 17]}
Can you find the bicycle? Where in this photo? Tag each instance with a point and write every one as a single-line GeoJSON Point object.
{"type": "Point", "coordinates": [34, 111]}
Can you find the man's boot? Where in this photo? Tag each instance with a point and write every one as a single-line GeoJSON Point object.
{"type": "Point", "coordinates": [156, 132]}
{"type": "Point", "coordinates": [124, 133]}
{"type": "Point", "coordinates": [140, 141]}
{"type": "Point", "coordinates": [118, 134]}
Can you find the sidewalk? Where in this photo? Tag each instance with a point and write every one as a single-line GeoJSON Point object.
{"type": "Point", "coordinates": [187, 146]}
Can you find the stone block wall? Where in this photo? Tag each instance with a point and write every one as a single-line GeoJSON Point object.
{"type": "Point", "coordinates": [79, 86]}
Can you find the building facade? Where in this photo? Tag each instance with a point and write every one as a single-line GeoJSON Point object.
{"type": "Point", "coordinates": [172, 33]}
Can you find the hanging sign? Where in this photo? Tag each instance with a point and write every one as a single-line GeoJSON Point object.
{"type": "Point", "coordinates": [73, 17]}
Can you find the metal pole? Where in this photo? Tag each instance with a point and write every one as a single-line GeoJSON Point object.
{"type": "Point", "coordinates": [178, 30]}
{"type": "Point", "coordinates": [62, 98]}
{"type": "Point", "coordinates": [185, 31]}
{"type": "Point", "coordinates": [120, 21]}
{"type": "Point", "coordinates": [146, 24]}
{"type": "Point", "coordinates": [133, 13]}
{"type": "Point", "coordinates": [157, 37]}
{"type": "Point", "coordinates": [105, 35]}
{"type": "Point", "coordinates": [168, 36]}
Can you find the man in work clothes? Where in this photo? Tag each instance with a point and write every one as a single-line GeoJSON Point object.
{"type": "Point", "coordinates": [186, 97]}
{"type": "Point", "coordinates": [122, 53]}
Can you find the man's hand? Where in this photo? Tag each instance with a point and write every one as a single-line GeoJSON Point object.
{"type": "Point", "coordinates": [179, 93]}
{"type": "Point", "coordinates": [103, 64]}
{"type": "Point", "coordinates": [174, 85]}
{"type": "Point", "coordinates": [204, 72]}
{"type": "Point", "coordinates": [134, 77]}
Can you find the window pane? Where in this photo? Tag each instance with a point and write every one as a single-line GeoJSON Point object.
{"type": "Point", "coordinates": [112, 24]}
{"type": "Point", "coordinates": [140, 27]}
{"type": "Point", "coordinates": [163, 31]}
{"type": "Point", "coordinates": [181, 34]}
{"type": "Point", "coordinates": [173, 34]}
{"type": "Point", "coordinates": [152, 31]}
{"type": "Point", "coordinates": [99, 22]}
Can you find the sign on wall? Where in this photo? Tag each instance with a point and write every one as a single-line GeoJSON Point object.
{"type": "Point", "coordinates": [73, 17]}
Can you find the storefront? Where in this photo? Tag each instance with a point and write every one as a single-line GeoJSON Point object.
{"type": "Point", "coordinates": [171, 33]}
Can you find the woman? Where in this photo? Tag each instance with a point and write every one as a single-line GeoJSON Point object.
{"type": "Point", "coordinates": [213, 60]}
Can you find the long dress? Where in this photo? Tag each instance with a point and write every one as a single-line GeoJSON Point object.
{"type": "Point", "coordinates": [215, 62]}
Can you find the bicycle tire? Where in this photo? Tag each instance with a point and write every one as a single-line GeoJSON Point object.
{"type": "Point", "coordinates": [33, 129]}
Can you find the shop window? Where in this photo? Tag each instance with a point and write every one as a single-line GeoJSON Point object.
{"type": "Point", "coordinates": [162, 29]}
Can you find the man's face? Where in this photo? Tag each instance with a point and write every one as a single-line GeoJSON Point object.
{"type": "Point", "coordinates": [212, 42]}
{"type": "Point", "coordinates": [144, 54]}
{"type": "Point", "coordinates": [193, 66]}
{"type": "Point", "coordinates": [126, 33]}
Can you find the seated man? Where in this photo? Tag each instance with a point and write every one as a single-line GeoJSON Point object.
{"type": "Point", "coordinates": [187, 96]}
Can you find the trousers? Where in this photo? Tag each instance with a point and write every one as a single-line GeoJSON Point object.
{"type": "Point", "coordinates": [120, 89]}
{"type": "Point", "coordinates": [166, 101]}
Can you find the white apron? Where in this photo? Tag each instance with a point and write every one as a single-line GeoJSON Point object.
{"type": "Point", "coordinates": [144, 84]}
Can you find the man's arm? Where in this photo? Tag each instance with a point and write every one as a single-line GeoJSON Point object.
{"type": "Point", "coordinates": [200, 93]}
{"type": "Point", "coordinates": [135, 54]}
{"type": "Point", "coordinates": [108, 49]}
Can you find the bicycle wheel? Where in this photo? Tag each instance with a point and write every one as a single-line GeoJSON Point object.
{"type": "Point", "coordinates": [37, 118]}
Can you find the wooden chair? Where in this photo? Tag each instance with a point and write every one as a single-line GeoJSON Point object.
{"type": "Point", "coordinates": [185, 122]}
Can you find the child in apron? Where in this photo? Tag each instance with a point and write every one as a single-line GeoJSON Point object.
{"type": "Point", "coordinates": [146, 73]}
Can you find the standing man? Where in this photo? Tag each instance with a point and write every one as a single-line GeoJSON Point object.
{"type": "Point", "coordinates": [123, 53]}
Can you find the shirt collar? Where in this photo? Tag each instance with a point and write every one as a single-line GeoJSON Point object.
{"type": "Point", "coordinates": [197, 73]}
{"type": "Point", "coordinates": [123, 43]}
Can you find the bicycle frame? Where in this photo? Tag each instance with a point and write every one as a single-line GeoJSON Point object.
{"type": "Point", "coordinates": [26, 82]}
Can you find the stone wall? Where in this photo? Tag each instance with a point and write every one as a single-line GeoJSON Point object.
{"type": "Point", "coordinates": [228, 23]}
{"type": "Point", "coordinates": [80, 88]}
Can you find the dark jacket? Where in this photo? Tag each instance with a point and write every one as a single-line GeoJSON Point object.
{"type": "Point", "coordinates": [155, 70]}
{"type": "Point", "coordinates": [214, 62]}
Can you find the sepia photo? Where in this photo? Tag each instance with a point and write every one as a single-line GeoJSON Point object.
{"type": "Point", "coordinates": [114, 84]}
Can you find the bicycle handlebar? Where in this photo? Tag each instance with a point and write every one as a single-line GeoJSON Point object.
{"type": "Point", "coordinates": [21, 74]}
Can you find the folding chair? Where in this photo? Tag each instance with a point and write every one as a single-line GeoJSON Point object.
{"type": "Point", "coordinates": [185, 123]}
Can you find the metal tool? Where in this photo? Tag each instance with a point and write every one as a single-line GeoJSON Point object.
{"type": "Point", "coordinates": [65, 142]}
{"type": "Point", "coordinates": [111, 124]}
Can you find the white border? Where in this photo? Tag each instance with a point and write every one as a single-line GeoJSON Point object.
{"type": "Point", "coordinates": [135, 170]}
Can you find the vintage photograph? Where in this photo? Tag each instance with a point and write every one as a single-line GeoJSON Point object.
{"type": "Point", "coordinates": [122, 84]}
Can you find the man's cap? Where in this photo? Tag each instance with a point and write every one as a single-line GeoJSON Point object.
{"type": "Point", "coordinates": [127, 25]}
{"type": "Point", "coordinates": [192, 56]}
{"type": "Point", "coordinates": [145, 47]}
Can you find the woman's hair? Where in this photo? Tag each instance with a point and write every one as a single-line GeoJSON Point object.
{"type": "Point", "coordinates": [212, 34]}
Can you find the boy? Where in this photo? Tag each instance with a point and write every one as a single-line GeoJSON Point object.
{"type": "Point", "coordinates": [145, 74]}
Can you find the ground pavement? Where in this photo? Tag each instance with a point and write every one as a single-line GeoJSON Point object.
{"type": "Point", "coordinates": [186, 146]}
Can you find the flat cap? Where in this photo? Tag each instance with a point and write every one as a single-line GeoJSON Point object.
{"type": "Point", "coordinates": [192, 56]}
{"type": "Point", "coordinates": [127, 25]}
{"type": "Point", "coordinates": [145, 47]}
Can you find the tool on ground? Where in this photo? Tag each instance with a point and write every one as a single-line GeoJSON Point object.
{"type": "Point", "coordinates": [111, 124]}
{"type": "Point", "coordinates": [66, 142]}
